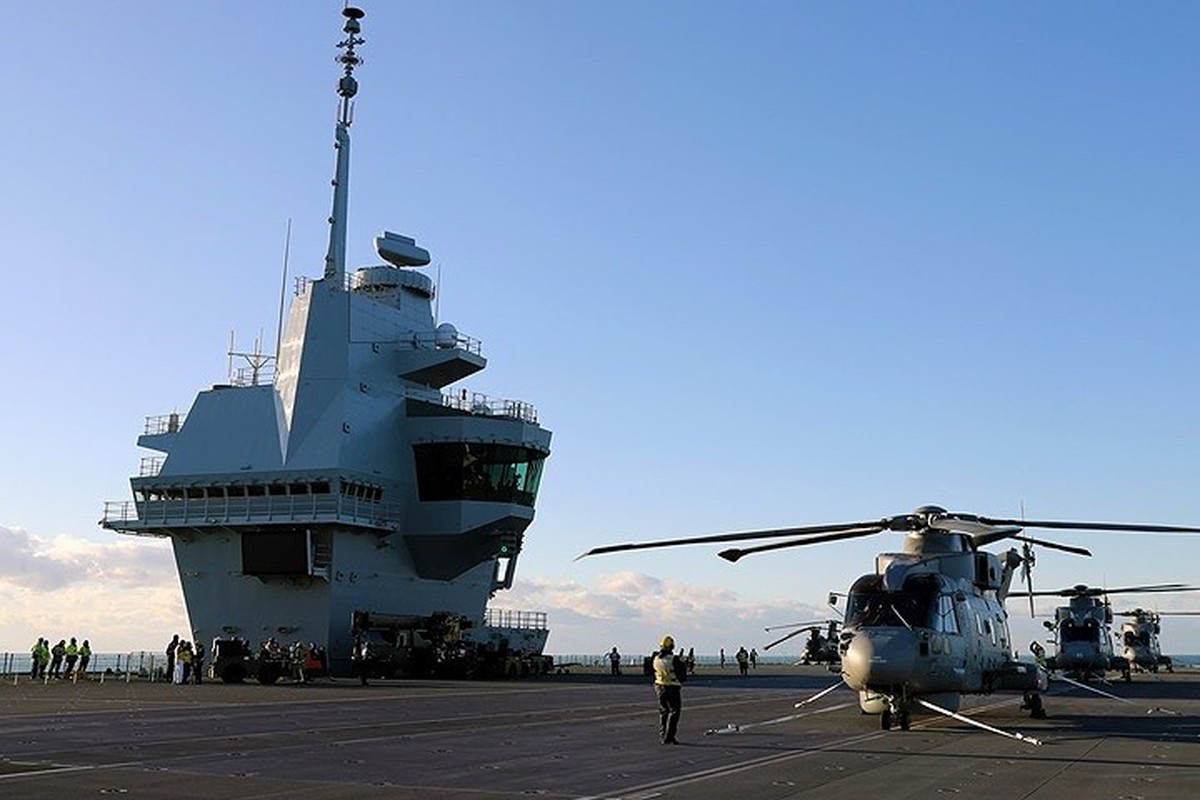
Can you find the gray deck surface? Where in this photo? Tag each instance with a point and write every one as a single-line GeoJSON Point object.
{"type": "Point", "coordinates": [584, 736]}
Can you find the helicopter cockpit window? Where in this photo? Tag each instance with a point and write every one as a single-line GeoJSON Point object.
{"type": "Point", "coordinates": [915, 605]}
{"type": "Point", "coordinates": [946, 621]}
{"type": "Point", "coordinates": [1087, 631]}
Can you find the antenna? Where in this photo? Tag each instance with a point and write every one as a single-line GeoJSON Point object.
{"type": "Point", "coordinates": [437, 296]}
{"type": "Point", "coordinates": [287, 249]}
{"type": "Point", "coordinates": [335, 257]}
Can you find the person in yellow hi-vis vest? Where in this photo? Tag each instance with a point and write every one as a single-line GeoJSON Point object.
{"type": "Point", "coordinates": [85, 656]}
{"type": "Point", "coordinates": [71, 654]}
{"type": "Point", "coordinates": [669, 675]}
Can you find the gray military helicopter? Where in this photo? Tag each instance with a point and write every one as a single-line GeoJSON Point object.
{"type": "Point", "coordinates": [929, 624]}
{"type": "Point", "coordinates": [1139, 638]}
{"type": "Point", "coordinates": [1083, 629]}
{"type": "Point", "coordinates": [821, 647]}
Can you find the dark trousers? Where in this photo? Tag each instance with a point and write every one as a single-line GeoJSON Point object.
{"type": "Point", "coordinates": [670, 703]}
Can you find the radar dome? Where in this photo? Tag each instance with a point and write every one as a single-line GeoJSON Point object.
{"type": "Point", "coordinates": [446, 335]}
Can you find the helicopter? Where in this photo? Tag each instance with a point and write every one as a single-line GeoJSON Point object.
{"type": "Point", "coordinates": [1083, 629]}
{"type": "Point", "coordinates": [929, 623]}
{"type": "Point", "coordinates": [1139, 638]}
{"type": "Point", "coordinates": [819, 648]}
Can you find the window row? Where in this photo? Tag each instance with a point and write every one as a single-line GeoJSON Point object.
{"type": "Point", "coordinates": [498, 473]}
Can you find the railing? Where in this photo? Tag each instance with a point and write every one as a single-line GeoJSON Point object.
{"type": "Point", "coordinates": [150, 466]}
{"type": "Point", "coordinates": [481, 404]}
{"type": "Point", "coordinates": [252, 376]}
{"type": "Point", "coordinates": [430, 340]}
{"type": "Point", "coordinates": [506, 618]}
{"type": "Point", "coordinates": [418, 339]}
{"type": "Point", "coordinates": [201, 511]}
{"type": "Point", "coordinates": [164, 423]}
{"type": "Point", "coordinates": [139, 664]}
{"type": "Point", "coordinates": [712, 662]}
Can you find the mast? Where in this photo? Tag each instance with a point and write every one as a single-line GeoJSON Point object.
{"type": "Point", "coordinates": [335, 257]}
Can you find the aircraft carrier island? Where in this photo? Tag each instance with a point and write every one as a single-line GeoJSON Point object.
{"type": "Point", "coordinates": [339, 490]}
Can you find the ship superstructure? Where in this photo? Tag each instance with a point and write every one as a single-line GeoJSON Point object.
{"type": "Point", "coordinates": [354, 480]}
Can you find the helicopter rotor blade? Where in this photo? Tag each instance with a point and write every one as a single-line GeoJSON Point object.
{"type": "Point", "coordinates": [1158, 587]}
{"type": "Point", "coordinates": [816, 623]}
{"type": "Point", "coordinates": [1081, 551]}
{"type": "Point", "coordinates": [1129, 527]}
{"type": "Point", "coordinates": [784, 638]}
{"type": "Point", "coordinates": [1097, 591]}
{"type": "Point", "coordinates": [980, 530]}
{"type": "Point", "coordinates": [1173, 613]}
{"type": "Point", "coordinates": [734, 553]}
{"type": "Point", "coordinates": [854, 528]}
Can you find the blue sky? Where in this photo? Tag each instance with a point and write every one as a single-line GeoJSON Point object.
{"type": "Point", "coordinates": [757, 264]}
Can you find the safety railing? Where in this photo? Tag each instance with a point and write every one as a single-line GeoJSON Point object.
{"type": "Point", "coordinates": [150, 466]}
{"type": "Point", "coordinates": [507, 618]}
{"type": "Point", "coordinates": [164, 423]}
{"type": "Point", "coordinates": [252, 376]}
{"type": "Point", "coordinates": [483, 405]}
{"type": "Point", "coordinates": [135, 665]}
{"type": "Point", "coordinates": [430, 340]}
{"type": "Point", "coordinates": [201, 511]}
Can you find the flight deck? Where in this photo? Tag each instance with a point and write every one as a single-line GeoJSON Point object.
{"type": "Point", "coordinates": [586, 735]}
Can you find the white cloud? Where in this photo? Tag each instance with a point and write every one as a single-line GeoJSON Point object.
{"type": "Point", "coordinates": [121, 595]}
{"type": "Point", "coordinates": [124, 595]}
{"type": "Point", "coordinates": [53, 564]}
{"type": "Point", "coordinates": [632, 610]}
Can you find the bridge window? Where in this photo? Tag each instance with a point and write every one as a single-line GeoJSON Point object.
{"type": "Point", "coordinates": [497, 473]}
{"type": "Point", "coordinates": [362, 491]}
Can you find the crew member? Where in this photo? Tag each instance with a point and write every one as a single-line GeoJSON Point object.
{"type": "Point", "coordinates": [1039, 653]}
{"type": "Point", "coordinates": [43, 658]}
{"type": "Point", "coordinates": [56, 658]}
{"type": "Point", "coordinates": [172, 646]}
{"type": "Point", "coordinates": [198, 663]}
{"type": "Point", "coordinates": [85, 655]}
{"type": "Point", "coordinates": [72, 655]}
{"type": "Point", "coordinates": [360, 654]}
{"type": "Point", "coordinates": [35, 653]}
{"type": "Point", "coordinates": [669, 675]}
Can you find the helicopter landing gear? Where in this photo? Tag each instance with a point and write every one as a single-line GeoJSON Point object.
{"type": "Point", "coordinates": [895, 712]}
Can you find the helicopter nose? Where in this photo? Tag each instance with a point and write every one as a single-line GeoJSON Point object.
{"type": "Point", "coordinates": [879, 658]}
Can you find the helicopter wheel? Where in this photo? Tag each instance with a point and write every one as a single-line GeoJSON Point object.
{"type": "Point", "coordinates": [905, 722]}
{"type": "Point", "coordinates": [885, 720]}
